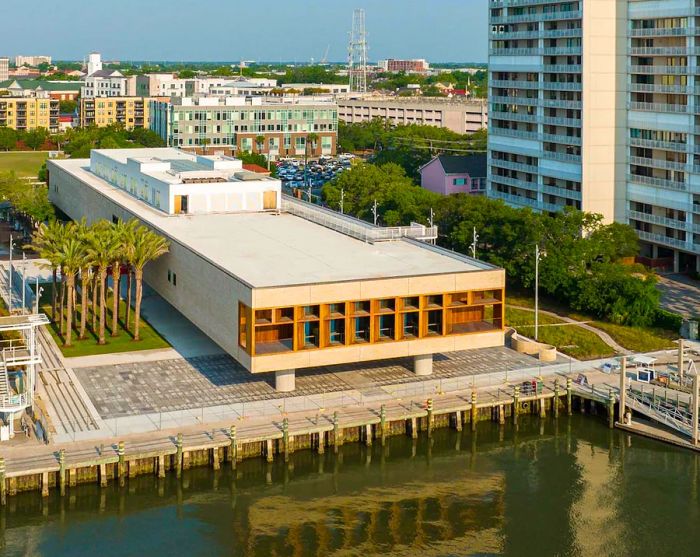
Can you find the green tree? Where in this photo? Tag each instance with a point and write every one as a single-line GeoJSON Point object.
{"type": "Point", "coordinates": [35, 138]}
{"type": "Point", "coordinates": [101, 249]}
{"type": "Point", "coordinates": [8, 138]}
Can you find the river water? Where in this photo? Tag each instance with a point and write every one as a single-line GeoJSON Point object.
{"type": "Point", "coordinates": [555, 487]}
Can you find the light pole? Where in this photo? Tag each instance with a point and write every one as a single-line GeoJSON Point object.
{"type": "Point", "coordinates": [538, 255]}
{"type": "Point", "coordinates": [475, 239]}
{"type": "Point", "coordinates": [9, 280]}
{"type": "Point", "coordinates": [374, 212]}
{"type": "Point", "coordinates": [39, 291]}
{"type": "Point", "coordinates": [342, 200]}
{"type": "Point", "coordinates": [24, 281]}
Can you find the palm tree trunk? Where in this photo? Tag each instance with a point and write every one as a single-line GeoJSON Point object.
{"type": "Point", "coordinates": [62, 301]}
{"type": "Point", "coordinates": [116, 283]}
{"type": "Point", "coordinates": [84, 281]}
{"type": "Point", "coordinates": [53, 294]}
{"type": "Point", "coordinates": [137, 307]}
{"type": "Point", "coordinates": [94, 301]}
{"type": "Point", "coordinates": [128, 298]}
{"type": "Point", "coordinates": [69, 311]}
{"type": "Point", "coordinates": [103, 284]}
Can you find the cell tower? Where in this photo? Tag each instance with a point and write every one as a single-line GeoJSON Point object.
{"type": "Point", "coordinates": [357, 53]}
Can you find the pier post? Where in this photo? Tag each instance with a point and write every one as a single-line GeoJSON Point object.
{"type": "Point", "coordinates": [337, 441]}
{"type": "Point", "coordinates": [555, 400]}
{"type": "Point", "coordinates": [233, 447]}
{"type": "Point", "coordinates": [611, 409]}
{"type": "Point", "coordinates": [62, 471]}
{"type": "Point", "coordinates": [285, 438]}
{"type": "Point", "coordinates": [122, 462]}
{"type": "Point", "coordinates": [368, 435]}
{"type": "Point", "coordinates": [543, 410]}
{"type": "Point", "coordinates": [623, 391]}
{"type": "Point", "coordinates": [45, 484]}
{"type": "Point", "coordinates": [178, 455]}
{"type": "Point", "coordinates": [215, 462]}
{"type": "Point", "coordinates": [269, 451]}
{"type": "Point", "coordinates": [569, 401]}
{"type": "Point", "coordinates": [680, 359]}
{"type": "Point", "coordinates": [516, 403]}
{"type": "Point", "coordinates": [430, 417]}
{"type": "Point", "coordinates": [458, 420]}
{"type": "Point", "coordinates": [501, 414]}
{"type": "Point", "coordinates": [161, 466]}
{"type": "Point", "coordinates": [321, 442]}
{"type": "Point", "coordinates": [103, 474]}
{"type": "Point", "coordinates": [474, 410]}
{"type": "Point", "coordinates": [414, 428]}
{"type": "Point", "coordinates": [382, 423]}
{"type": "Point", "coordinates": [3, 487]}
{"type": "Point", "coordinates": [696, 392]}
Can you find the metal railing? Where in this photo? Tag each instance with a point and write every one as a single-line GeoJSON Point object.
{"type": "Point", "coordinates": [353, 227]}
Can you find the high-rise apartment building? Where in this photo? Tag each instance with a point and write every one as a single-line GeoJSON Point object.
{"type": "Point", "coordinates": [29, 113]}
{"type": "Point", "coordinates": [131, 112]}
{"type": "Point", "coordinates": [592, 105]}
{"type": "Point", "coordinates": [33, 61]}
{"type": "Point", "coordinates": [4, 69]}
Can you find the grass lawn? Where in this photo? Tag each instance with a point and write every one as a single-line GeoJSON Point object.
{"type": "Point", "coordinates": [23, 163]}
{"type": "Point", "coordinates": [569, 339]}
{"type": "Point", "coordinates": [150, 339]}
{"type": "Point", "coordinates": [637, 339]}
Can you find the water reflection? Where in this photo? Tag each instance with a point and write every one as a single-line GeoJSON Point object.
{"type": "Point", "coordinates": [566, 487]}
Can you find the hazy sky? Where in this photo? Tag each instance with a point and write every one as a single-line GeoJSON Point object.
{"type": "Point", "coordinates": [273, 30]}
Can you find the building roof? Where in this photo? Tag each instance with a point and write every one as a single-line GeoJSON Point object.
{"type": "Point", "coordinates": [34, 84]}
{"type": "Point", "coordinates": [266, 250]}
{"type": "Point", "coordinates": [255, 168]}
{"type": "Point", "coordinates": [474, 165]}
{"type": "Point", "coordinates": [106, 73]}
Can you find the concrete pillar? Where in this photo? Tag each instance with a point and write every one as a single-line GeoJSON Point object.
{"type": "Point", "coordinates": [423, 364]}
{"type": "Point", "coordinates": [676, 261]}
{"type": "Point", "coordinates": [623, 392]}
{"type": "Point", "coordinates": [103, 474]}
{"type": "Point", "coordinates": [285, 380]}
{"type": "Point", "coordinates": [368, 435]}
{"type": "Point", "coordinates": [611, 409]}
{"type": "Point", "coordinates": [121, 465]}
{"type": "Point", "coordinates": [680, 357]}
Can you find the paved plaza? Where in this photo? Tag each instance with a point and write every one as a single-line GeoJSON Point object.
{"type": "Point", "coordinates": [181, 384]}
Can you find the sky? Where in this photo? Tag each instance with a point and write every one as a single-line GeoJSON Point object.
{"type": "Point", "coordinates": [230, 30]}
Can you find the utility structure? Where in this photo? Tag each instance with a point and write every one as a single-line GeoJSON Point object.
{"type": "Point", "coordinates": [357, 53]}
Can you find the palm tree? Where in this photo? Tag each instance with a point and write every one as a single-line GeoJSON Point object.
{"type": "Point", "coordinates": [46, 242]}
{"type": "Point", "coordinates": [73, 257]}
{"type": "Point", "coordinates": [148, 246]}
{"type": "Point", "coordinates": [101, 249]}
{"type": "Point", "coordinates": [83, 233]}
{"type": "Point", "coordinates": [118, 255]}
{"type": "Point", "coordinates": [260, 142]}
{"type": "Point", "coordinates": [128, 239]}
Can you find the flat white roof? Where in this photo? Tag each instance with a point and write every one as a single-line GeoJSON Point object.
{"type": "Point", "coordinates": [268, 249]}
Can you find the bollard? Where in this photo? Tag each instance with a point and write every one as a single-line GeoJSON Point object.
{"type": "Point", "coordinates": [285, 438]}
{"type": "Point", "coordinates": [120, 466]}
{"type": "Point", "coordinates": [178, 455]}
{"type": "Point", "coordinates": [62, 471]}
{"type": "Point", "coordinates": [501, 414]}
{"type": "Point", "coordinates": [3, 487]}
{"type": "Point", "coordinates": [233, 447]}
{"type": "Point", "coordinates": [516, 403]}
{"type": "Point", "coordinates": [474, 411]}
{"type": "Point", "coordinates": [430, 417]}
{"type": "Point", "coordinates": [569, 401]}
{"type": "Point", "coordinates": [555, 400]}
{"type": "Point", "coordinates": [382, 424]}
{"type": "Point", "coordinates": [611, 409]}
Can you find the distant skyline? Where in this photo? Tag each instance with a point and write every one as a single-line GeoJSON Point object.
{"type": "Point", "coordinates": [229, 30]}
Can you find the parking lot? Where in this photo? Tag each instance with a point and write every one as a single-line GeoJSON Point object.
{"type": "Point", "coordinates": [296, 175]}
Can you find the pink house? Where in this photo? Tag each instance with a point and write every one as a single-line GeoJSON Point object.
{"type": "Point", "coordinates": [447, 174]}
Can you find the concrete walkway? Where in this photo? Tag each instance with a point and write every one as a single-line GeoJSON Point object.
{"type": "Point", "coordinates": [605, 337]}
{"type": "Point", "coordinates": [680, 294]}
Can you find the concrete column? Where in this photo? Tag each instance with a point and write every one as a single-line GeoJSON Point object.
{"type": "Point", "coordinates": [680, 357]}
{"type": "Point", "coordinates": [623, 391]}
{"type": "Point", "coordinates": [285, 380]}
{"type": "Point", "coordinates": [676, 261]}
{"type": "Point", "coordinates": [423, 364]}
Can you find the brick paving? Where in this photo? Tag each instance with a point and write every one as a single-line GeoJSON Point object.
{"type": "Point", "coordinates": [180, 384]}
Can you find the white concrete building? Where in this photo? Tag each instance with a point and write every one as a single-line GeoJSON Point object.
{"type": "Point", "coordinates": [4, 68]}
{"type": "Point", "coordinates": [160, 85]}
{"type": "Point", "coordinates": [104, 83]}
{"type": "Point", "coordinates": [34, 61]}
{"type": "Point", "coordinates": [280, 284]}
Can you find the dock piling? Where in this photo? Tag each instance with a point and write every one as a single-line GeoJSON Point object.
{"type": "Point", "coordinates": [285, 438]}
{"type": "Point", "coordinates": [121, 472]}
{"type": "Point", "coordinates": [516, 403]}
{"type": "Point", "coordinates": [555, 400]}
{"type": "Point", "coordinates": [3, 487]}
{"type": "Point", "coordinates": [458, 420]}
{"type": "Point", "coordinates": [414, 428]}
{"type": "Point", "coordinates": [623, 391]}
{"type": "Point", "coordinates": [336, 432]}
{"type": "Point", "coordinates": [569, 397]}
{"type": "Point", "coordinates": [62, 471]}
{"type": "Point", "coordinates": [178, 455]}
{"type": "Point", "coordinates": [382, 423]}
{"type": "Point", "coordinates": [430, 417]}
{"type": "Point", "coordinates": [269, 450]}
{"type": "Point", "coordinates": [161, 466]}
{"type": "Point", "coordinates": [611, 409]}
{"type": "Point", "coordinates": [368, 435]}
{"type": "Point", "coordinates": [233, 448]}
{"type": "Point", "coordinates": [474, 411]}
{"type": "Point", "coordinates": [543, 408]}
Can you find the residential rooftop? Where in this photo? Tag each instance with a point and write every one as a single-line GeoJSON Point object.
{"type": "Point", "coordinates": [269, 249]}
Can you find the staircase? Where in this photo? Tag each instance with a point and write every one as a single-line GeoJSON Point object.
{"type": "Point", "coordinates": [4, 386]}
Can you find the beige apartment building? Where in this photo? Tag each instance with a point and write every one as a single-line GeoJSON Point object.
{"type": "Point", "coordinates": [459, 115]}
{"type": "Point", "coordinates": [29, 113]}
{"type": "Point", "coordinates": [131, 112]}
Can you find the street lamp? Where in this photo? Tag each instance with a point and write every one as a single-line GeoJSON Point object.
{"type": "Point", "coordinates": [538, 255]}
{"type": "Point", "coordinates": [24, 280]}
{"type": "Point", "coordinates": [39, 291]}
{"type": "Point", "coordinates": [9, 280]}
{"type": "Point", "coordinates": [475, 239]}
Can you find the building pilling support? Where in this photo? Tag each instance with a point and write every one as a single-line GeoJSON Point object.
{"type": "Point", "coordinates": [120, 466]}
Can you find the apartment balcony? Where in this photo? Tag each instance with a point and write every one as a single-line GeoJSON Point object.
{"type": "Point", "coordinates": [659, 163]}
{"type": "Point", "coordinates": [654, 70]}
{"type": "Point", "coordinates": [660, 51]}
{"type": "Point", "coordinates": [660, 32]}
{"type": "Point", "coordinates": [511, 165]}
{"type": "Point", "coordinates": [659, 107]}
{"type": "Point", "coordinates": [557, 103]}
{"type": "Point", "coordinates": [515, 182]}
{"type": "Point", "coordinates": [561, 139]}
{"type": "Point", "coordinates": [556, 121]}
{"type": "Point", "coordinates": [659, 88]}
{"type": "Point", "coordinates": [654, 144]}
{"type": "Point", "coordinates": [540, 16]}
{"type": "Point", "coordinates": [657, 182]}
{"type": "Point", "coordinates": [561, 86]}
{"type": "Point", "coordinates": [666, 241]}
{"type": "Point", "coordinates": [515, 199]}
{"type": "Point", "coordinates": [562, 192]}
{"type": "Point", "coordinates": [521, 134]}
{"type": "Point", "coordinates": [515, 52]}
{"type": "Point", "coordinates": [562, 157]}
{"type": "Point", "coordinates": [512, 117]}
{"type": "Point", "coordinates": [561, 51]}
{"type": "Point", "coordinates": [562, 68]}
{"type": "Point", "coordinates": [552, 207]}
{"type": "Point", "coordinates": [505, 84]}
{"type": "Point", "coordinates": [515, 100]}
{"type": "Point", "coordinates": [657, 219]}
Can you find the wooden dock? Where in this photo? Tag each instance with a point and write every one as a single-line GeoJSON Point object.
{"type": "Point", "coordinates": [54, 468]}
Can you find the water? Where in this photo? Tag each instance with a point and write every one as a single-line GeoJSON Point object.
{"type": "Point", "coordinates": [566, 487]}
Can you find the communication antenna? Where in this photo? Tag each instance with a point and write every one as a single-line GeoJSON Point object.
{"type": "Point", "coordinates": [357, 53]}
